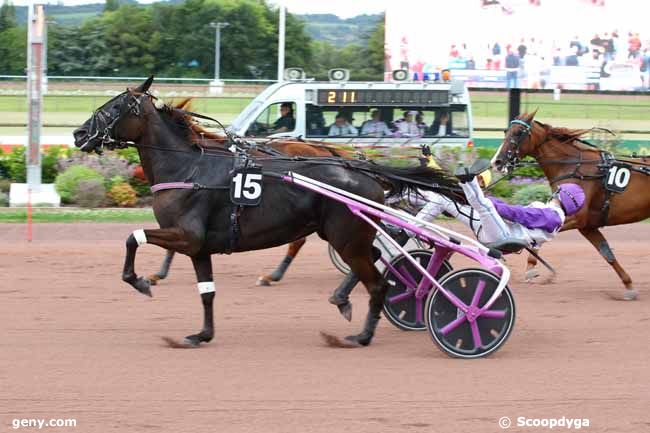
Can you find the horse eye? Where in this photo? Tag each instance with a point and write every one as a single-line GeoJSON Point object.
{"type": "Point", "coordinates": [505, 132]}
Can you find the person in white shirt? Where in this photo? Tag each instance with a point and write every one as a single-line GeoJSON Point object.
{"type": "Point", "coordinates": [408, 127]}
{"type": "Point", "coordinates": [375, 127]}
{"type": "Point", "coordinates": [341, 126]}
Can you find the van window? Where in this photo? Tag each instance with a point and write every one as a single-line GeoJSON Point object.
{"type": "Point", "coordinates": [428, 122]}
{"type": "Point", "coordinates": [276, 118]}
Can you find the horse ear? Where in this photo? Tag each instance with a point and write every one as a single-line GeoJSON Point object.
{"type": "Point", "coordinates": [531, 116]}
{"type": "Point", "coordinates": [142, 88]}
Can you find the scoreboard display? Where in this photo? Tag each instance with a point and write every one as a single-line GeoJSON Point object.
{"type": "Point", "coordinates": [382, 97]}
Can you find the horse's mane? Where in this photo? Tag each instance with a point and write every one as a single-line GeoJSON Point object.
{"type": "Point", "coordinates": [186, 127]}
{"type": "Point", "coordinates": [567, 135]}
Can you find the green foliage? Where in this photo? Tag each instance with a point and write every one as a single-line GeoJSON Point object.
{"type": "Point", "coordinates": [123, 195]}
{"type": "Point", "coordinates": [111, 5]}
{"type": "Point", "coordinates": [531, 193]}
{"type": "Point", "coordinates": [13, 50]}
{"type": "Point", "coordinates": [67, 183]}
{"type": "Point", "coordinates": [16, 164]}
{"type": "Point", "coordinates": [5, 185]}
{"type": "Point", "coordinates": [4, 165]}
{"type": "Point", "coordinates": [115, 180]}
{"type": "Point", "coordinates": [4, 199]}
{"type": "Point", "coordinates": [49, 162]}
{"type": "Point", "coordinates": [90, 193]}
{"type": "Point", "coordinates": [7, 16]}
{"type": "Point", "coordinates": [130, 154]}
{"type": "Point", "coordinates": [140, 186]}
{"type": "Point", "coordinates": [504, 190]}
{"type": "Point", "coordinates": [365, 60]}
{"type": "Point", "coordinates": [529, 171]}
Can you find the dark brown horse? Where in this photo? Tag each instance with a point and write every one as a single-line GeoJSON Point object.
{"type": "Point", "coordinates": [198, 218]}
{"type": "Point", "coordinates": [285, 147]}
{"type": "Point", "coordinates": [617, 190]}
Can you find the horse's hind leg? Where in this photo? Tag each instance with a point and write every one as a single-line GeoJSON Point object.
{"type": "Point", "coordinates": [164, 268]}
{"type": "Point", "coordinates": [531, 268]}
{"type": "Point", "coordinates": [600, 243]}
{"type": "Point", "coordinates": [277, 275]}
{"type": "Point", "coordinates": [205, 284]}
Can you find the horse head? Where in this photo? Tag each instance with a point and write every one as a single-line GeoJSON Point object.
{"type": "Point", "coordinates": [116, 124]}
{"type": "Point", "coordinates": [520, 141]}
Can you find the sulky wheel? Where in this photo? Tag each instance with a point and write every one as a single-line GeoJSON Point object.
{"type": "Point", "coordinates": [401, 302]}
{"type": "Point", "coordinates": [338, 261]}
{"type": "Point", "coordinates": [451, 329]}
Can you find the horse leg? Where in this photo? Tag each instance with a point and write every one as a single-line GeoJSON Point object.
{"type": "Point", "coordinates": [205, 284]}
{"type": "Point", "coordinates": [277, 275]}
{"type": "Point", "coordinates": [164, 269]}
{"type": "Point", "coordinates": [531, 270]}
{"type": "Point", "coordinates": [341, 295]}
{"type": "Point", "coordinates": [600, 243]}
{"type": "Point", "coordinates": [175, 239]}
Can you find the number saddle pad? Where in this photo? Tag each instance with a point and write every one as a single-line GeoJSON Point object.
{"type": "Point", "coordinates": [246, 186]}
{"type": "Point", "coordinates": [617, 177]}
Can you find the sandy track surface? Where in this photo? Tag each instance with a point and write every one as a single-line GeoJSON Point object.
{"type": "Point", "coordinates": [78, 343]}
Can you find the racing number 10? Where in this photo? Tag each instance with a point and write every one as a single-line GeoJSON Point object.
{"type": "Point", "coordinates": [618, 176]}
{"type": "Point", "coordinates": [250, 187]}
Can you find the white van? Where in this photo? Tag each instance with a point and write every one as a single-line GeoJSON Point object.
{"type": "Point", "coordinates": [441, 110]}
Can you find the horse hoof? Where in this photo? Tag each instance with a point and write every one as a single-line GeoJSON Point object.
{"type": "Point", "coordinates": [263, 281]}
{"type": "Point", "coordinates": [630, 295]}
{"type": "Point", "coordinates": [362, 339]}
{"type": "Point", "coordinates": [153, 279]}
{"type": "Point", "coordinates": [192, 341]}
{"type": "Point", "coordinates": [346, 311]}
{"type": "Point", "coordinates": [531, 274]}
{"type": "Point", "coordinates": [275, 277]}
{"type": "Point", "coordinates": [143, 285]}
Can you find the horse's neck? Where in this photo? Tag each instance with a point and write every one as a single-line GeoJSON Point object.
{"type": "Point", "coordinates": [164, 156]}
{"type": "Point", "coordinates": [553, 151]}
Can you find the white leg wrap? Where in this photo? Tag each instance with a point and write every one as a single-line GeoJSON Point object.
{"type": "Point", "coordinates": [206, 287]}
{"type": "Point", "coordinates": [140, 237]}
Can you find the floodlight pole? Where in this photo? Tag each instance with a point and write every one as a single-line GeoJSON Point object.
{"type": "Point", "coordinates": [281, 30]}
{"type": "Point", "coordinates": [216, 86]}
{"type": "Point", "coordinates": [35, 69]}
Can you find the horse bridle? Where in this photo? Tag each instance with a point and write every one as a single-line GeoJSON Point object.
{"type": "Point", "coordinates": [512, 155]}
{"type": "Point", "coordinates": [102, 117]}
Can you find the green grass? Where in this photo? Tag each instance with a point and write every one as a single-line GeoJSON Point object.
{"type": "Point", "coordinates": [87, 104]}
{"type": "Point", "coordinates": [68, 215]}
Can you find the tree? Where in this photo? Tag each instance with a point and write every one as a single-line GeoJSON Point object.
{"type": "Point", "coordinates": [13, 51]}
{"type": "Point", "coordinates": [7, 16]}
{"type": "Point", "coordinates": [111, 5]}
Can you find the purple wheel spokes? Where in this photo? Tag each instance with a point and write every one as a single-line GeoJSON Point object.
{"type": "Point", "coordinates": [402, 296]}
{"type": "Point", "coordinates": [453, 325]}
{"type": "Point", "coordinates": [476, 335]}
{"type": "Point", "coordinates": [478, 292]}
{"type": "Point", "coordinates": [493, 314]}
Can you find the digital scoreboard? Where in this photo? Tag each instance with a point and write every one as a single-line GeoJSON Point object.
{"type": "Point", "coordinates": [381, 97]}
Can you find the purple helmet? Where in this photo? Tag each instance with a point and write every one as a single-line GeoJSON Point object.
{"type": "Point", "coordinates": [571, 196]}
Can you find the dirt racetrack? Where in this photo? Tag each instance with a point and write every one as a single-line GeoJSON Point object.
{"type": "Point", "coordinates": [77, 342]}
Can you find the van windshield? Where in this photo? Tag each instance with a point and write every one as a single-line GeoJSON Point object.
{"type": "Point", "coordinates": [371, 122]}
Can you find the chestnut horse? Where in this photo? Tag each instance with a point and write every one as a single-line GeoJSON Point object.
{"type": "Point", "coordinates": [616, 189]}
{"type": "Point", "coordinates": [285, 147]}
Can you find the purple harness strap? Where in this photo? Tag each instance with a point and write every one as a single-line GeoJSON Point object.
{"type": "Point", "coordinates": [172, 185]}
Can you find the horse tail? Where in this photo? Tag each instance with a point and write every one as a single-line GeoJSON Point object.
{"type": "Point", "coordinates": [409, 180]}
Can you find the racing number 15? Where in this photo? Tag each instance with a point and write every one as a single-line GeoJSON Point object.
{"type": "Point", "coordinates": [249, 185]}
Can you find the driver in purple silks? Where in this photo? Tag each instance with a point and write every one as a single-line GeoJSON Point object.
{"type": "Point", "coordinates": [534, 224]}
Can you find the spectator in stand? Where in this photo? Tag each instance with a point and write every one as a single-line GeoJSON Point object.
{"type": "Point", "coordinates": [572, 59]}
{"type": "Point", "coordinates": [521, 49]}
{"type": "Point", "coordinates": [608, 45]}
{"type": "Point", "coordinates": [471, 64]}
{"type": "Point", "coordinates": [634, 46]}
{"type": "Point", "coordinates": [645, 68]}
{"type": "Point", "coordinates": [512, 69]}
{"type": "Point", "coordinates": [617, 45]}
